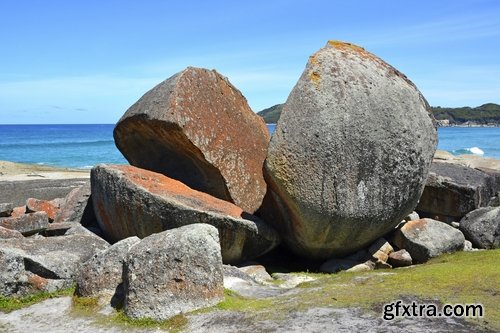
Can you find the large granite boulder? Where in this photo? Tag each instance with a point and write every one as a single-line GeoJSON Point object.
{"type": "Point", "coordinates": [350, 154]}
{"type": "Point", "coordinates": [453, 190]}
{"type": "Point", "coordinates": [101, 276]}
{"type": "Point", "coordinates": [30, 264]}
{"type": "Point", "coordinates": [196, 127]}
{"type": "Point", "coordinates": [172, 272]}
{"type": "Point", "coordinates": [428, 238]}
{"type": "Point", "coordinates": [482, 227]}
{"type": "Point", "coordinates": [129, 201]}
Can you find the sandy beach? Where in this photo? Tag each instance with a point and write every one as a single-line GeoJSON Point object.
{"type": "Point", "coordinates": [10, 171]}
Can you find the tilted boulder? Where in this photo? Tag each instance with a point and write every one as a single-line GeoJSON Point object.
{"type": "Point", "coordinates": [101, 276]}
{"type": "Point", "coordinates": [129, 201]}
{"type": "Point", "coordinates": [196, 127]}
{"type": "Point", "coordinates": [453, 190]}
{"type": "Point", "coordinates": [77, 207]}
{"type": "Point", "coordinates": [482, 227]}
{"type": "Point", "coordinates": [350, 154]}
{"type": "Point", "coordinates": [427, 238]}
{"type": "Point", "coordinates": [175, 271]}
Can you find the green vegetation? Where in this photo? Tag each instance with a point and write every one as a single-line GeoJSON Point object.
{"type": "Point", "coordinates": [8, 304]}
{"type": "Point", "coordinates": [174, 324]}
{"type": "Point", "coordinates": [85, 305]}
{"type": "Point", "coordinates": [272, 114]}
{"type": "Point", "coordinates": [463, 277]}
{"type": "Point", "coordinates": [484, 114]}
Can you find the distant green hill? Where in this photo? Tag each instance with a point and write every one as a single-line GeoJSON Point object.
{"type": "Point", "coordinates": [485, 114]}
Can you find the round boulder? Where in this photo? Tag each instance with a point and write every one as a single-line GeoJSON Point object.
{"type": "Point", "coordinates": [350, 154]}
{"type": "Point", "coordinates": [196, 127]}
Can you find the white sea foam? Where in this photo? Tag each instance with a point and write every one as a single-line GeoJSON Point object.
{"type": "Point", "coordinates": [476, 151]}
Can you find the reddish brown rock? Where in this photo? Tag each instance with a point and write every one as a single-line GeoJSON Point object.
{"type": "Point", "coordinates": [196, 127]}
{"type": "Point", "coordinates": [18, 211]}
{"type": "Point", "coordinates": [400, 258]}
{"type": "Point", "coordinates": [27, 224]}
{"type": "Point", "coordinates": [129, 201]}
{"type": "Point", "coordinates": [9, 233]}
{"type": "Point", "coordinates": [50, 207]}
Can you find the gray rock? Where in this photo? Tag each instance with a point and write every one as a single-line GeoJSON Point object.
{"type": "Point", "coordinates": [53, 257]}
{"type": "Point", "coordinates": [6, 209]}
{"type": "Point", "coordinates": [175, 271]}
{"type": "Point", "coordinates": [412, 216]}
{"type": "Point", "coordinates": [9, 233]}
{"type": "Point", "coordinates": [130, 201]}
{"type": "Point", "coordinates": [454, 190]}
{"type": "Point", "coordinates": [27, 224]}
{"type": "Point", "coordinates": [336, 265]}
{"type": "Point", "coordinates": [455, 224]}
{"type": "Point", "coordinates": [482, 227]}
{"type": "Point", "coordinates": [495, 201]}
{"type": "Point", "coordinates": [364, 267]}
{"type": "Point", "coordinates": [468, 246]}
{"type": "Point", "coordinates": [57, 229]}
{"type": "Point", "coordinates": [13, 278]}
{"type": "Point", "coordinates": [101, 276]}
{"type": "Point", "coordinates": [350, 154]}
{"type": "Point", "coordinates": [400, 258]}
{"type": "Point", "coordinates": [196, 127]}
{"type": "Point", "coordinates": [427, 238]}
{"type": "Point", "coordinates": [258, 272]}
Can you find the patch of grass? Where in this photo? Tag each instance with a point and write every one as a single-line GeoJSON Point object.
{"type": "Point", "coordinates": [235, 302]}
{"type": "Point", "coordinates": [174, 324]}
{"type": "Point", "coordinates": [9, 304]}
{"type": "Point", "coordinates": [85, 305]}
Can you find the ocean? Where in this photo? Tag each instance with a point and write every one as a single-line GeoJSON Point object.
{"type": "Point", "coordinates": [83, 146]}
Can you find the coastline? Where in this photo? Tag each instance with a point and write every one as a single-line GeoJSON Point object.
{"type": "Point", "coordinates": [12, 171]}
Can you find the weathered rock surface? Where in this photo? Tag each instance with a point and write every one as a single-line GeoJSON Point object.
{"type": "Point", "coordinates": [453, 190]}
{"type": "Point", "coordinates": [9, 233]}
{"type": "Point", "coordinates": [6, 209]}
{"type": "Point", "coordinates": [129, 201]}
{"type": "Point", "coordinates": [77, 207]}
{"type": "Point", "coordinates": [427, 238]}
{"type": "Point", "coordinates": [50, 207]}
{"type": "Point", "coordinates": [380, 250]}
{"type": "Point", "coordinates": [482, 227]}
{"type": "Point", "coordinates": [400, 258]}
{"type": "Point", "coordinates": [196, 127]}
{"type": "Point", "coordinates": [175, 271]}
{"type": "Point", "coordinates": [102, 274]}
{"type": "Point", "coordinates": [257, 272]}
{"type": "Point", "coordinates": [27, 224]}
{"type": "Point", "coordinates": [350, 154]}
{"type": "Point", "coordinates": [37, 262]}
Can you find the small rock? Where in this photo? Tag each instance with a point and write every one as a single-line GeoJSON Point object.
{"type": "Point", "coordinates": [50, 207]}
{"type": "Point", "coordinates": [380, 250]}
{"type": "Point", "coordinates": [412, 216]}
{"type": "Point", "coordinates": [9, 233]}
{"type": "Point", "coordinates": [455, 224]}
{"type": "Point", "coordinates": [336, 265]}
{"type": "Point", "coordinates": [258, 272]}
{"type": "Point", "coordinates": [172, 272]}
{"type": "Point", "coordinates": [467, 245]}
{"type": "Point", "coordinates": [482, 227]}
{"type": "Point", "coordinates": [102, 274]}
{"type": "Point", "coordinates": [6, 209]}
{"type": "Point", "coordinates": [27, 224]}
{"type": "Point", "coordinates": [427, 238]}
{"type": "Point", "coordinates": [495, 201]}
{"type": "Point", "coordinates": [400, 258]}
{"type": "Point", "coordinates": [360, 268]}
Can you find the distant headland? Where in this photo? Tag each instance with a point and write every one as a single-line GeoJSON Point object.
{"type": "Point", "coordinates": [484, 115]}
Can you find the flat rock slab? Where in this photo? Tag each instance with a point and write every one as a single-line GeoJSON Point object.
{"type": "Point", "coordinates": [173, 272]}
{"type": "Point", "coordinates": [129, 201]}
{"type": "Point", "coordinates": [482, 227]}
{"type": "Point", "coordinates": [51, 207]}
{"type": "Point", "coordinates": [196, 127]}
{"type": "Point", "coordinates": [427, 238]}
{"type": "Point", "coordinates": [27, 224]}
{"type": "Point", "coordinates": [350, 153]}
{"type": "Point", "coordinates": [453, 190]}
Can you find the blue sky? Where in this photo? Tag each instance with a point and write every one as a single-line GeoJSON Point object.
{"type": "Point", "coordinates": [88, 61]}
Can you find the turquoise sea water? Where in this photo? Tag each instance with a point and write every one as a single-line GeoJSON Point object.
{"type": "Point", "coordinates": [83, 146]}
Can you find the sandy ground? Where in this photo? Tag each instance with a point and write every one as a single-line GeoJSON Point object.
{"type": "Point", "coordinates": [472, 161]}
{"type": "Point", "coordinates": [10, 171]}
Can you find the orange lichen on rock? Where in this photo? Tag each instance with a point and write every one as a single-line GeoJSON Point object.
{"type": "Point", "coordinates": [159, 184]}
{"type": "Point", "coordinates": [49, 207]}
